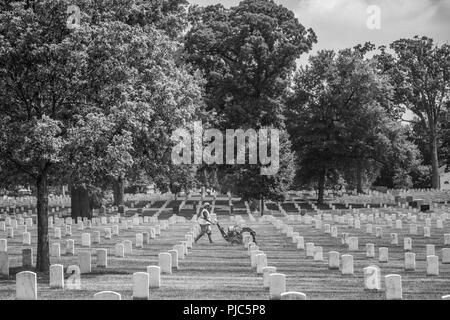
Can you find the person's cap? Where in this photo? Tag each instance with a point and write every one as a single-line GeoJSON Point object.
{"type": "Point", "coordinates": [206, 204]}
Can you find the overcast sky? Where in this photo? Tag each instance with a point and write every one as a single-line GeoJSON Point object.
{"type": "Point", "coordinates": [343, 23]}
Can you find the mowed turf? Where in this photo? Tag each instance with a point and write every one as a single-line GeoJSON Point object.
{"type": "Point", "coordinates": [318, 282]}
{"type": "Point", "coordinates": [210, 271]}
{"type": "Point", "coordinates": [223, 271]}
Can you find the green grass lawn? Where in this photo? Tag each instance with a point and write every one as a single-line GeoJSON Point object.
{"type": "Point", "coordinates": [222, 271]}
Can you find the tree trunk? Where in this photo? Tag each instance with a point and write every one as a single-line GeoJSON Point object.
{"type": "Point", "coordinates": [118, 191]}
{"type": "Point", "coordinates": [43, 259]}
{"type": "Point", "coordinates": [80, 202]}
{"type": "Point", "coordinates": [359, 177]}
{"type": "Point", "coordinates": [321, 187]}
{"type": "Point", "coordinates": [262, 207]}
{"type": "Point", "coordinates": [434, 161]}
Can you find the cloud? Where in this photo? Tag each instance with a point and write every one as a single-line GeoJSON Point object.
{"type": "Point", "coordinates": [342, 23]}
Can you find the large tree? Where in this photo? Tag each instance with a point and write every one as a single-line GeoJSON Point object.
{"type": "Point", "coordinates": [40, 70]}
{"type": "Point", "coordinates": [248, 54]}
{"type": "Point", "coordinates": [337, 115]}
{"type": "Point", "coordinates": [76, 102]}
{"type": "Point", "coordinates": [167, 16]}
{"type": "Point", "coordinates": [420, 73]}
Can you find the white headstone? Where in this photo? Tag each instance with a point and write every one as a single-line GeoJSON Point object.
{"type": "Point", "coordinates": [10, 232]}
{"type": "Point", "coordinates": [300, 243]}
{"type": "Point", "coordinates": [115, 230]}
{"type": "Point", "coordinates": [333, 260]}
{"type": "Point", "coordinates": [174, 254]}
{"type": "Point", "coordinates": [347, 264]}
{"type": "Point", "coordinates": [154, 273]}
{"type": "Point", "coordinates": [128, 246]}
{"type": "Point", "coordinates": [165, 262]}
{"type": "Point", "coordinates": [447, 239]}
{"type": "Point", "coordinates": [370, 250]}
{"type": "Point", "coordinates": [152, 232]}
{"type": "Point", "coordinates": [68, 230]}
{"type": "Point", "coordinates": [26, 239]}
{"type": "Point", "coordinates": [334, 232]}
{"type": "Point", "coordinates": [3, 245]}
{"type": "Point", "coordinates": [446, 255]}
{"type": "Point", "coordinates": [383, 254]}
{"type": "Point", "coordinates": [70, 247]}
{"type": "Point", "coordinates": [293, 296]}
{"type": "Point", "coordinates": [432, 265]}
{"type": "Point", "coordinates": [102, 258]}
{"type": "Point", "coordinates": [410, 261]}
{"type": "Point", "coordinates": [141, 281]}
{"type": "Point", "coordinates": [261, 263]}
{"type": "Point", "coordinates": [4, 263]}
{"type": "Point", "coordinates": [85, 239]}
{"type": "Point", "coordinates": [393, 287]}
{"type": "Point", "coordinates": [353, 244]}
{"type": "Point", "coordinates": [107, 295]}
{"type": "Point", "coordinates": [310, 250]}
{"type": "Point", "coordinates": [57, 276]}
{"type": "Point", "coordinates": [267, 271]}
{"type": "Point", "coordinates": [407, 244]}
{"type": "Point", "coordinates": [139, 240]}
{"type": "Point", "coordinates": [26, 286]}
{"type": "Point", "coordinates": [180, 250]}
{"type": "Point", "coordinates": [318, 253]}
{"type": "Point", "coordinates": [277, 285]}
{"type": "Point", "coordinates": [55, 251]}
{"type": "Point", "coordinates": [84, 261]}
{"type": "Point", "coordinates": [430, 250]}
{"type": "Point", "coordinates": [253, 255]}
{"type": "Point", "coordinates": [119, 250]}
{"type": "Point", "coordinates": [394, 239]}
{"type": "Point", "coordinates": [372, 278]}
{"type": "Point", "coordinates": [378, 232]}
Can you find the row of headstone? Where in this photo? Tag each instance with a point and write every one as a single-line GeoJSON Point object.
{"type": "Point", "coordinates": [372, 274]}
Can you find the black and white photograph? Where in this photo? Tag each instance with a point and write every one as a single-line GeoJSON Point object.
{"type": "Point", "coordinates": [237, 151]}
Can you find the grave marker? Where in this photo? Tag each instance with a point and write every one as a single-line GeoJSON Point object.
{"type": "Point", "coordinates": [333, 260]}
{"type": "Point", "coordinates": [393, 287]}
{"type": "Point", "coordinates": [102, 258]}
{"type": "Point", "coordinates": [432, 265]}
{"type": "Point", "coordinates": [84, 261]}
{"type": "Point", "coordinates": [154, 273]}
{"type": "Point", "coordinates": [141, 284]}
{"type": "Point", "coordinates": [165, 262]}
{"type": "Point", "coordinates": [107, 295]}
{"type": "Point", "coordinates": [372, 278]}
{"type": "Point", "coordinates": [70, 247]}
{"type": "Point", "coordinates": [57, 276]}
{"type": "Point", "coordinates": [26, 286]}
{"type": "Point", "coordinates": [410, 261]}
{"type": "Point", "coordinates": [347, 264]}
{"type": "Point", "coordinates": [267, 271]}
{"type": "Point", "coordinates": [370, 250]}
{"type": "Point", "coordinates": [277, 285]}
{"type": "Point", "coordinates": [174, 254]}
{"type": "Point", "coordinates": [383, 255]}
